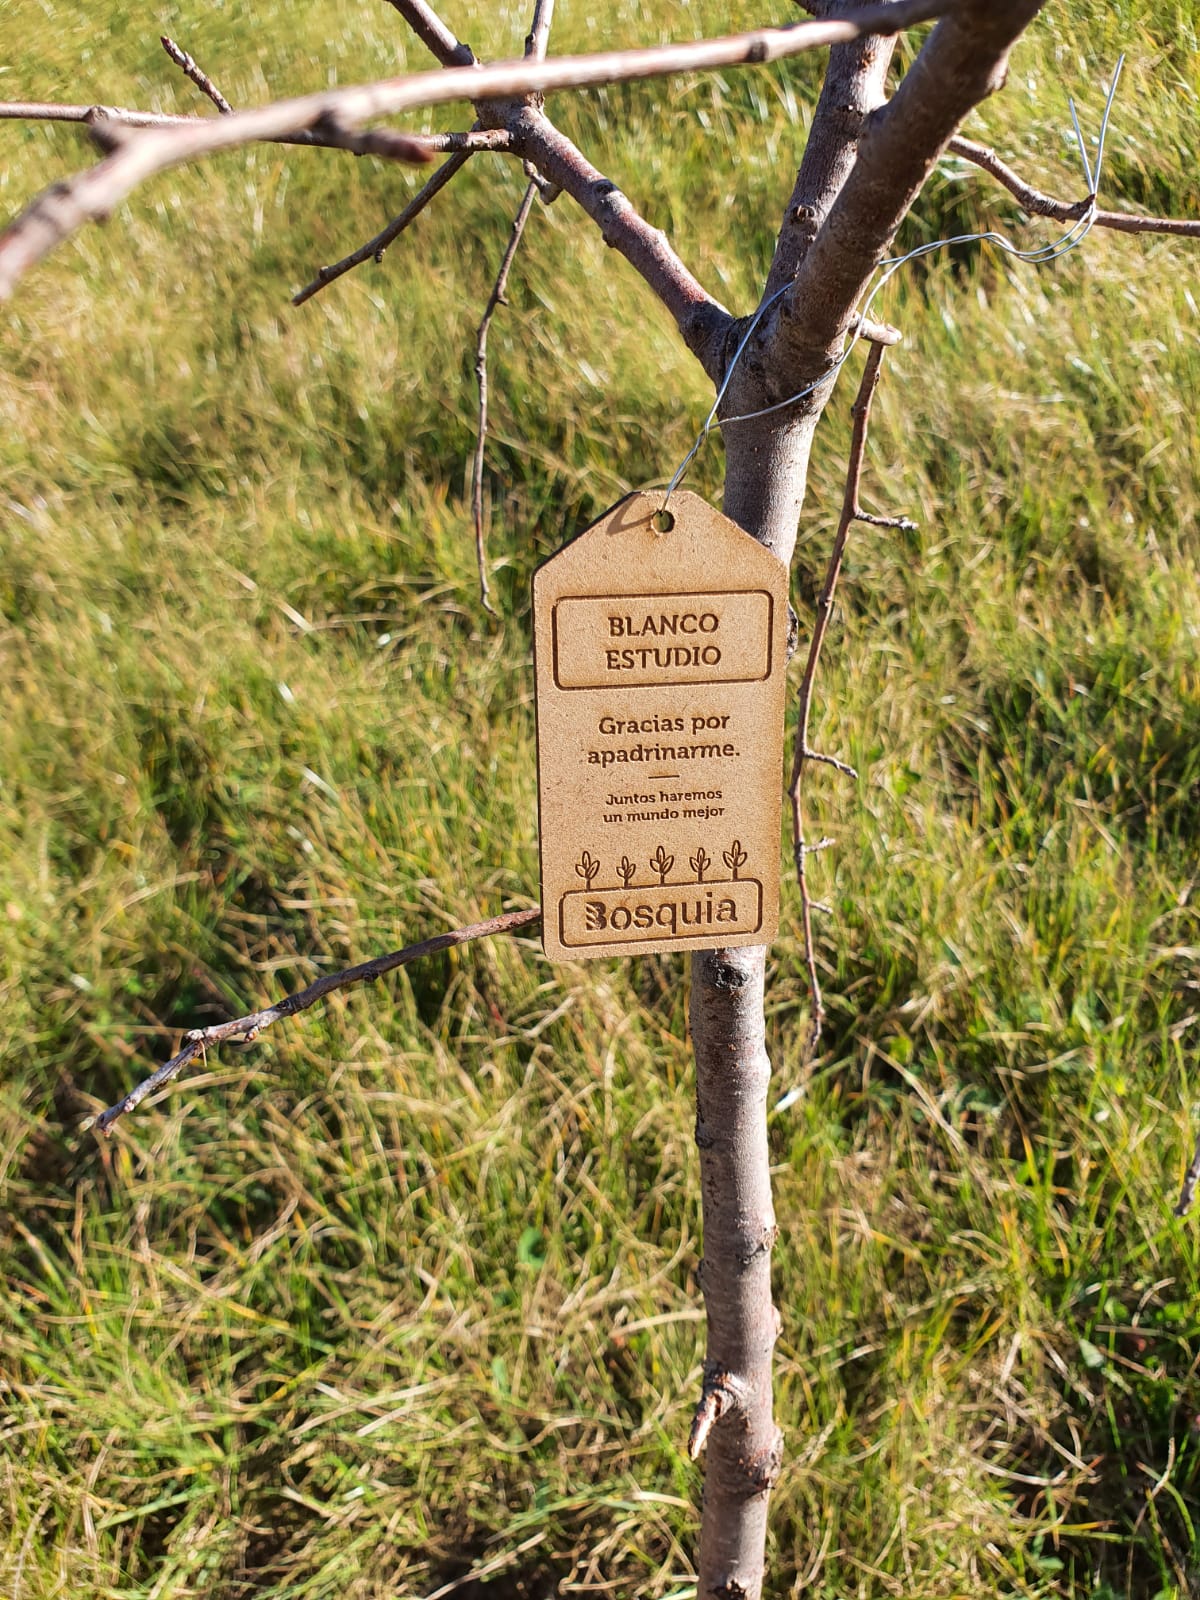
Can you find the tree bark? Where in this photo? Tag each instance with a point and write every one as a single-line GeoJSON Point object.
{"type": "Point", "coordinates": [745, 1447]}
{"type": "Point", "coordinates": [766, 474]}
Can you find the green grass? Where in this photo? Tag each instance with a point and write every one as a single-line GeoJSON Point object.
{"type": "Point", "coordinates": [409, 1290]}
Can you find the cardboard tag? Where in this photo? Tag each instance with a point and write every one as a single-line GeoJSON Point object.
{"type": "Point", "coordinates": [660, 660]}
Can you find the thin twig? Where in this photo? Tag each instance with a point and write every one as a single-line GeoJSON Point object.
{"type": "Point", "coordinates": [330, 133]}
{"type": "Point", "coordinates": [851, 512]}
{"type": "Point", "coordinates": [88, 196]}
{"type": "Point", "coordinates": [843, 767]}
{"type": "Point", "coordinates": [389, 143]}
{"type": "Point", "coordinates": [450, 51]}
{"type": "Point", "coordinates": [497, 140]}
{"type": "Point", "coordinates": [535, 50]}
{"type": "Point", "coordinates": [374, 248]}
{"type": "Point", "coordinates": [488, 141]}
{"type": "Point", "coordinates": [110, 127]}
{"type": "Point", "coordinates": [248, 1028]}
{"type": "Point", "coordinates": [328, 137]}
{"type": "Point", "coordinates": [878, 332]}
{"type": "Point", "coordinates": [191, 68]}
{"type": "Point", "coordinates": [1039, 204]}
{"type": "Point", "coordinates": [495, 299]}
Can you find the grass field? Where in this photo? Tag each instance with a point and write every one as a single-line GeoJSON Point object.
{"type": "Point", "coordinates": [405, 1296]}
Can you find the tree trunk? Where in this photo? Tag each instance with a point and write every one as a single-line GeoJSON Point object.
{"type": "Point", "coordinates": [865, 163]}
{"type": "Point", "coordinates": [766, 473]}
{"type": "Point", "coordinates": [745, 1448]}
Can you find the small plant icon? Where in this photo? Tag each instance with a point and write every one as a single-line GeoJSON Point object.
{"type": "Point", "coordinates": [735, 858]}
{"type": "Point", "coordinates": [661, 863]}
{"type": "Point", "coordinates": [626, 869]}
{"type": "Point", "coordinates": [587, 867]}
{"type": "Point", "coordinates": [700, 863]}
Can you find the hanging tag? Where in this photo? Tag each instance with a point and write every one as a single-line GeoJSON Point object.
{"type": "Point", "coordinates": [660, 658]}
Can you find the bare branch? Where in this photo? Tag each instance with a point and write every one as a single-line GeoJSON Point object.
{"type": "Point", "coordinates": [843, 767]}
{"type": "Point", "coordinates": [449, 50]}
{"type": "Point", "coordinates": [1039, 204]}
{"type": "Point", "coordinates": [489, 141]}
{"type": "Point", "coordinates": [854, 86]}
{"type": "Point", "coordinates": [434, 34]}
{"type": "Point", "coordinates": [51, 111]}
{"type": "Point", "coordinates": [536, 43]}
{"type": "Point", "coordinates": [248, 1028]}
{"type": "Point", "coordinates": [700, 318]}
{"type": "Point", "coordinates": [495, 299]}
{"type": "Point", "coordinates": [851, 512]}
{"type": "Point", "coordinates": [389, 143]}
{"type": "Point", "coordinates": [496, 140]}
{"type": "Point", "coordinates": [535, 50]}
{"type": "Point", "coordinates": [108, 126]}
{"type": "Point", "coordinates": [189, 66]}
{"type": "Point", "coordinates": [329, 134]}
{"type": "Point", "coordinates": [92, 195]}
{"type": "Point", "coordinates": [538, 39]}
{"type": "Point", "coordinates": [962, 61]}
{"type": "Point", "coordinates": [374, 248]}
{"type": "Point", "coordinates": [879, 332]}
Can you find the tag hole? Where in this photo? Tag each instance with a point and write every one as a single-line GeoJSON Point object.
{"type": "Point", "coordinates": [663, 521]}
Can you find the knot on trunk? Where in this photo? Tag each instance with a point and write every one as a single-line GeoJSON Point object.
{"type": "Point", "coordinates": [722, 971]}
{"type": "Point", "coordinates": [763, 1245]}
{"type": "Point", "coordinates": [764, 1467]}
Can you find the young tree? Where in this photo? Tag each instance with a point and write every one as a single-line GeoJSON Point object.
{"type": "Point", "coordinates": [870, 150]}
